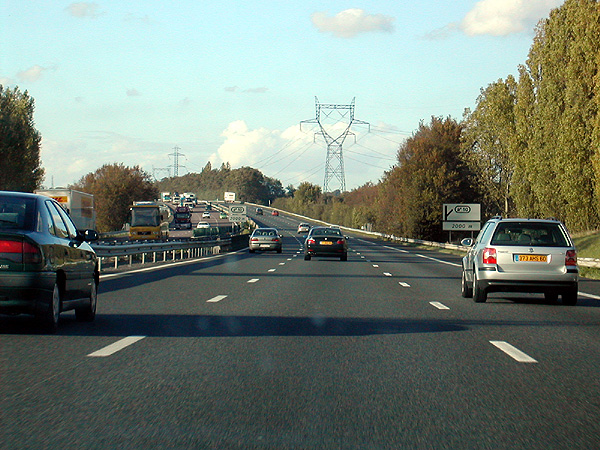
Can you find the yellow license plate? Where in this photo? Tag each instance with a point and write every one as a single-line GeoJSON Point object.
{"type": "Point", "coordinates": [326, 243]}
{"type": "Point", "coordinates": [531, 258]}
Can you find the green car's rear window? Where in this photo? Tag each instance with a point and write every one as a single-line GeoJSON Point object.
{"type": "Point", "coordinates": [17, 213]}
{"type": "Point", "coordinates": [530, 233]}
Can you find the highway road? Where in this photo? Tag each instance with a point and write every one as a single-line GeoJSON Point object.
{"type": "Point", "coordinates": [268, 351]}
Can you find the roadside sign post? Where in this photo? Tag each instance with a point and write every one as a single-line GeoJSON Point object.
{"type": "Point", "coordinates": [237, 213]}
{"type": "Point", "coordinates": [461, 217]}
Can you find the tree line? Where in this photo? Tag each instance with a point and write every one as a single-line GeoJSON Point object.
{"type": "Point", "coordinates": [248, 183]}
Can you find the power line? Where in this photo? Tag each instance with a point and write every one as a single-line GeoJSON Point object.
{"type": "Point", "coordinates": [372, 165]}
{"type": "Point", "coordinates": [176, 165]}
{"type": "Point", "coordinates": [371, 156]}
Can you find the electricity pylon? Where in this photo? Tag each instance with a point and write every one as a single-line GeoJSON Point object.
{"type": "Point", "coordinates": [176, 165]}
{"type": "Point", "coordinates": [334, 164]}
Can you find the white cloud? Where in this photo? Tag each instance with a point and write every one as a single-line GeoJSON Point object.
{"type": "Point", "coordinates": [292, 156]}
{"type": "Point", "coordinates": [83, 9]}
{"type": "Point", "coordinates": [504, 17]}
{"type": "Point", "coordinates": [243, 146]}
{"type": "Point", "coordinates": [145, 19]}
{"type": "Point", "coordinates": [133, 93]}
{"type": "Point", "coordinates": [258, 90]}
{"type": "Point", "coordinates": [66, 161]}
{"type": "Point", "coordinates": [32, 74]}
{"type": "Point", "coordinates": [349, 23]}
{"type": "Point", "coordinates": [5, 81]}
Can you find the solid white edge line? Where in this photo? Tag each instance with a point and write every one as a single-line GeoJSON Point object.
{"type": "Point", "coordinates": [438, 260]}
{"type": "Point", "coordinates": [438, 305]}
{"type": "Point", "coordinates": [513, 352]}
{"type": "Point", "coordinates": [216, 299]}
{"type": "Point", "coordinates": [116, 346]}
{"type": "Point", "coordinates": [583, 294]}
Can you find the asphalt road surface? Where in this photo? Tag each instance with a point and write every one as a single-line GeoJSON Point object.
{"type": "Point", "coordinates": [268, 351]}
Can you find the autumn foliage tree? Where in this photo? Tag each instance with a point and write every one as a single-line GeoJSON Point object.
{"type": "Point", "coordinates": [115, 187]}
{"type": "Point", "coordinates": [19, 143]}
{"type": "Point", "coordinates": [429, 173]}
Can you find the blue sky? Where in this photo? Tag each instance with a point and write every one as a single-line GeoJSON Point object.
{"type": "Point", "coordinates": [230, 81]}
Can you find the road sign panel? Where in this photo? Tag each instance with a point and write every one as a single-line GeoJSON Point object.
{"type": "Point", "coordinates": [237, 217]}
{"type": "Point", "coordinates": [238, 209]}
{"type": "Point", "coordinates": [457, 212]}
{"type": "Point", "coordinates": [461, 226]}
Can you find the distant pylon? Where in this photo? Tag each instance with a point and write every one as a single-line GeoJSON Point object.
{"type": "Point", "coordinates": [334, 164]}
{"type": "Point", "coordinates": [176, 164]}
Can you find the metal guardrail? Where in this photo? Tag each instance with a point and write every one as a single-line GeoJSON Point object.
{"type": "Point", "coordinates": [157, 251]}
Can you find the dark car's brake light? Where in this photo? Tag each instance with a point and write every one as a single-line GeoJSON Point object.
{"type": "Point", "coordinates": [489, 256]}
{"type": "Point", "coordinates": [310, 241]}
{"type": "Point", "coordinates": [11, 247]}
{"type": "Point", "coordinates": [571, 258]}
{"type": "Point", "coordinates": [31, 254]}
{"type": "Point", "coordinates": [20, 252]}
{"type": "Point", "coordinates": [341, 242]}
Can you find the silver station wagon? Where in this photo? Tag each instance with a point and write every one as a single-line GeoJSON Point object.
{"type": "Point", "coordinates": [521, 255]}
{"type": "Point", "coordinates": [265, 239]}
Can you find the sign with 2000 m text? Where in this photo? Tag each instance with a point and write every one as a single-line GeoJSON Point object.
{"type": "Point", "coordinates": [237, 213]}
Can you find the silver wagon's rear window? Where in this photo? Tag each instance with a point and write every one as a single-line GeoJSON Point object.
{"type": "Point", "coordinates": [530, 233]}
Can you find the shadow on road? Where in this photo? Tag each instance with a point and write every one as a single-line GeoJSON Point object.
{"type": "Point", "coordinates": [170, 325]}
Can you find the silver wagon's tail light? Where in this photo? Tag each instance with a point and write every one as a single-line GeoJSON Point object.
{"type": "Point", "coordinates": [571, 258]}
{"type": "Point", "coordinates": [490, 256]}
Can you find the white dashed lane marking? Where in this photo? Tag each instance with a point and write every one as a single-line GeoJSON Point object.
{"type": "Point", "coordinates": [438, 305]}
{"type": "Point", "coordinates": [116, 346]}
{"type": "Point", "coordinates": [216, 299]}
{"type": "Point", "coordinates": [513, 352]}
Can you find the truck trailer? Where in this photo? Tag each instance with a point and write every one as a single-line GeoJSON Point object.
{"type": "Point", "coordinates": [79, 205]}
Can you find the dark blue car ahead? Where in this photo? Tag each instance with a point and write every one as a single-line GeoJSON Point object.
{"type": "Point", "coordinates": [46, 264]}
{"type": "Point", "coordinates": [325, 241]}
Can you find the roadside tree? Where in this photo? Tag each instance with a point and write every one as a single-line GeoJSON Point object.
{"type": "Point", "coordinates": [19, 143]}
{"type": "Point", "coordinates": [115, 187]}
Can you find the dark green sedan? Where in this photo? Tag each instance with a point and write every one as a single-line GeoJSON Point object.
{"type": "Point", "coordinates": [46, 265]}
